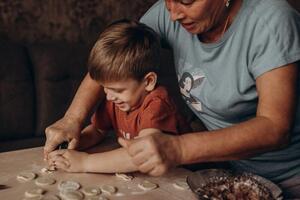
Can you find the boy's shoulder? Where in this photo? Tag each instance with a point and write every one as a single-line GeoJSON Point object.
{"type": "Point", "coordinates": [159, 94]}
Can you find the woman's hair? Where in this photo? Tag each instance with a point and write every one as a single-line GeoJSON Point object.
{"type": "Point", "coordinates": [125, 49]}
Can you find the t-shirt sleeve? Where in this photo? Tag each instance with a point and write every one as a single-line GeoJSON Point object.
{"type": "Point", "coordinates": [160, 115]}
{"type": "Point", "coordinates": [277, 39]}
{"type": "Point", "coordinates": [101, 118]}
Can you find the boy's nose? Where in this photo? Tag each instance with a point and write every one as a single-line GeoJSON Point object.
{"type": "Point", "coordinates": [110, 97]}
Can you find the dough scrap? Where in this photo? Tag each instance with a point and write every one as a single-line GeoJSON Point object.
{"type": "Point", "coordinates": [108, 189]}
{"type": "Point", "coordinates": [147, 185]}
{"type": "Point", "coordinates": [26, 176]}
{"type": "Point", "coordinates": [46, 170]}
{"type": "Point", "coordinates": [181, 185]}
{"type": "Point", "coordinates": [71, 195]}
{"type": "Point", "coordinates": [91, 191]}
{"type": "Point", "coordinates": [68, 185]}
{"type": "Point", "coordinates": [44, 181]}
{"type": "Point", "coordinates": [35, 192]}
{"type": "Point", "coordinates": [125, 177]}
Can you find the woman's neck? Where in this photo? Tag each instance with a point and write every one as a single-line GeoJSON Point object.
{"type": "Point", "coordinates": [214, 34]}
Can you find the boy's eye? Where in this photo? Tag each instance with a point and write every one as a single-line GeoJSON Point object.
{"type": "Point", "coordinates": [186, 2]}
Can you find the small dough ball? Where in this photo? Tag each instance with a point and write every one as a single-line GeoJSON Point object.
{"type": "Point", "coordinates": [91, 191]}
{"type": "Point", "coordinates": [71, 195]}
{"type": "Point", "coordinates": [35, 192]}
{"type": "Point", "coordinates": [108, 189]}
{"type": "Point", "coordinates": [68, 185]}
{"type": "Point", "coordinates": [147, 185]}
{"type": "Point", "coordinates": [26, 176]}
{"type": "Point", "coordinates": [44, 181]}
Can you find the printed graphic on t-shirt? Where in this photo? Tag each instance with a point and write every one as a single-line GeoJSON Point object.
{"type": "Point", "coordinates": [187, 82]}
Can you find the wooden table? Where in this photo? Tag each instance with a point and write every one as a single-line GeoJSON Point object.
{"type": "Point", "coordinates": [14, 162]}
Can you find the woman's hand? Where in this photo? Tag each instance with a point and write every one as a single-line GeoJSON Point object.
{"type": "Point", "coordinates": [65, 129]}
{"type": "Point", "coordinates": [68, 160]}
{"type": "Point", "coordinates": [153, 152]}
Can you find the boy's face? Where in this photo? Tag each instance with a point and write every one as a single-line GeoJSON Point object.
{"type": "Point", "coordinates": [127, 95]}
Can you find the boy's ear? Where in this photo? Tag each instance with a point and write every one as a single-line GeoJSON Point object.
{"type": "Point", "coordinates": [150, 81]}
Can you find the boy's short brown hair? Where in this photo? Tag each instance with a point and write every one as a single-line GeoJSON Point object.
{"type": "Point", "coordinates": [125, 49]}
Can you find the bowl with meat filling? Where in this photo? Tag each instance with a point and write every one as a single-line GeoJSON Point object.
{"type": "Point", "coordinates": [219, 184]}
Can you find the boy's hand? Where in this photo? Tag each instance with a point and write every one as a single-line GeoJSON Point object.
{"type": "Point", "coordinates": [62, 130]}
{"type": "Point", "coordinates": [68, 160]}
{"type": "Point", "coordinates": [153, 153]}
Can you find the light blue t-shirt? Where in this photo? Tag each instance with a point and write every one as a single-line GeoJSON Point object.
{"type": "Point", "coordinates": [217, 80]}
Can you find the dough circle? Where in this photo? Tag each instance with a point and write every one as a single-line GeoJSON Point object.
{"type": "Point", "coordinates": [91, 191]}
{"type": "Point", "coordinates": [35, 192]}
{"type": "Point", "coordinates": [147, 185]}
{"type": "Point", "coordinates": [26, 176]}
{"type": "Point", "coordinates": [125, 177]}
{"type": "Point", "coordinates": [108, 189]}
{"type": "Point", "coordinates": [71, 195]}
{"type": "Point", "coordinates": [181, 185]}
{"type": "Point", "coordinates": [44, 181]}
{"type": "Point", "coordinates": [68, 185]}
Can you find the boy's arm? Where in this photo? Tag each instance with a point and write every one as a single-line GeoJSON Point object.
{"type": "Point", "coordinates": [90, 136]}
{"type": "Point", "coordinates": [117, 160]}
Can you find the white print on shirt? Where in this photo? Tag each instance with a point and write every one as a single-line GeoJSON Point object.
{"type": "Point", "coordinates": [186, 83]}
{"type": "Point", "coordinates": [125, 135]}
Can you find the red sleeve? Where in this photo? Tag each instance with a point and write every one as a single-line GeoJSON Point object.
{"type": "Point", "coordinates": [161, 115]}
{"type": "Point", "coordinates": [101, 118]}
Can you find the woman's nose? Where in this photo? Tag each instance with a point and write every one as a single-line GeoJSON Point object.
{"type": "Point", "coordinates": [174, 10]}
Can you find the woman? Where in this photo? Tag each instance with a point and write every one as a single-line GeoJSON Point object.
{"type": "Point", "coordinates": [246, 53]}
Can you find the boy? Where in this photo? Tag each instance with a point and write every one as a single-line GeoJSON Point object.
{"type": "Point", "coordinates": [125, 62]}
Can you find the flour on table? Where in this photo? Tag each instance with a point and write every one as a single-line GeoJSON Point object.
{"type": "Point", "coordinates": [35, 192]}
{"type": "Point", "coordinates": [51, 197]}
{"type": "Point", "coordinates": [68, 185]}
{"type": "Point", "coordinates": [125, 177]}
{"type": "Point", "coordinates": [147, 185]}
{"type": "Point", "coordinates": [181, 185]}
{"type": "Point", "coordinates": [71, 195]}
{"type": "Point", "coordinates": [108, 189]}
{"type": "Point", "coordinates": [34, 198]}
{"type": "Point", "coordinates": [44, 181]}
{"type": "Point", "coordinates": [91, 191]}
{"type": "Point", "coordinates": [98, 198]}
{"type": "Point", "coordinates": [26, 176]}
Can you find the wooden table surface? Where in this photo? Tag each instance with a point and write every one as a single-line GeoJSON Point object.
{"type": "Point", "coordinates": [14, 162]}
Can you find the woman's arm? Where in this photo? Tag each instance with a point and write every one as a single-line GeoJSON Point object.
{"type": "Point", "coordinates": [69, 127]}
{"type": "Point", "coordinates": [268, 130]}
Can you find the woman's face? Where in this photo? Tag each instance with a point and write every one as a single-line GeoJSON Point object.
{"type": "Point", "coordinates": [196, 16]}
